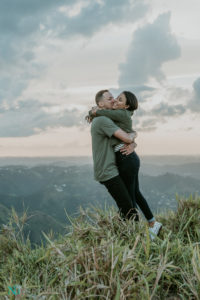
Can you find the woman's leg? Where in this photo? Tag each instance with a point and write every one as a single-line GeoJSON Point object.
{"type": "Point", "coordinates": [142, 203]}
{"type": "Point", "coordinates": [127, 171]}
{"type": "Point", "coordinates": [128, 167]}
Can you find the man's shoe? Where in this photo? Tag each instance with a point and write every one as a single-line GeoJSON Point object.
{"type": "Point", "coordinates": [153, 231]}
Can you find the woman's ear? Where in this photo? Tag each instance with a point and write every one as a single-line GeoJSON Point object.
{"type": "Point", "coordinates": [126, 106]}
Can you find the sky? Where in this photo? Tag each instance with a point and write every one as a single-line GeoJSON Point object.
{"type": "Point", "coordinates": [56, 55]}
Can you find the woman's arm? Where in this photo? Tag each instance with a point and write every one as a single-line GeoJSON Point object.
{"type": "Point", "coordinates": [113, 114]}
{"type": "Point", "coordinates": [125, 137]}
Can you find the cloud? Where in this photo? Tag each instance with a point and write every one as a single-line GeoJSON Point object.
{"type": "Point", "coordinates": [12, 86]}
{"type": "Point", "coordinates": [149, 120]}
{"type": "Point", "coordinates": [167, 110]}
{"type": "Point", "coordinates": [151, 46]}
{"type": "Point", "coordinates": [26, 25]}
{"type": "Point", "coordinates": [20, 33]}
{"type": "Point", "coordinates": [194, 104]}
{"type": "Point", "coordinates": [134, 89]}
{"type": "Point", "coordinates": [147, 125]}
{"type": "Point", "coordinates": [142, 93]}
{"type": "Point", "coordinates": [23, 23]}
{"type": "Point", "coordinates": [98, 14]}
{"type": "Point", "coordinates": [19, 22]}
{"type": "Point", "coordinates": [29, 117]}
{"type": "Point", "coordinates": [178, 94]}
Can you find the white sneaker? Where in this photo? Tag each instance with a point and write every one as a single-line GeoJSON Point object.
{"type": "Point", "coordinates": [153, 231]}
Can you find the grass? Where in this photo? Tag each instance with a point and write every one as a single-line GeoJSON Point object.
{"type": "Point", "coordinates": [104, 257]}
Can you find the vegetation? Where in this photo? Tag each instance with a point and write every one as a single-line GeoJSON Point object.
{"type": "Point", "coordinates": [104, 257]}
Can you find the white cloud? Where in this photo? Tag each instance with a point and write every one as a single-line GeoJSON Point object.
{"type": "Point", "coordinates": [152, 45]}
{"type": "Point", "coordinates": [194, 104]}
{"type": "Point", "coordinates": [31, 117]}
{"type": "Point", "coordinates": [26, 26]}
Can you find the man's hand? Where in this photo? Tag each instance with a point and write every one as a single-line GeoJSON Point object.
{"type": "Point", "coordinates": [128, 148]}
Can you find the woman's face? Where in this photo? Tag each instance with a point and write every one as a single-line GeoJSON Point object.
{"type": "Point", "coordinates": [120, 102]}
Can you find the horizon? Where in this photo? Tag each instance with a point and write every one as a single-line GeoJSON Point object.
{"type": "Point", "coordinates": [161, 160]}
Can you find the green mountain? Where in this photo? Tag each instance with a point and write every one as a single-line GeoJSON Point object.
{"type": "Point", "coordinates": [4, 214]}
{"type": "Point", "coordinates": [50, 191]}
{"type": "Point", "coordinates": [39, 220]}
{"type": "Point", "coordinates": [104, 257]}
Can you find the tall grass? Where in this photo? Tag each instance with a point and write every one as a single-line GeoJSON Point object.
{"type": "Point", "coordinates": [104, 257]}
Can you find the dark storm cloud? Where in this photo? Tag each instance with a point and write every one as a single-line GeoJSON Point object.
{"type": "Point", "coordinates": [151, 46]}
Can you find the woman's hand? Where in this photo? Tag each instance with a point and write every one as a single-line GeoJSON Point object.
{"type": "Point", "coordinates": [128, 148]}
{"type": "Point", "coordinates": [94, 110]}
{"type": "Point", "coordinates": [91, 114]}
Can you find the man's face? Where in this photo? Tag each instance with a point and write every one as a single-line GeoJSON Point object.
{"type": "Point", "coordinates": [107, 101]}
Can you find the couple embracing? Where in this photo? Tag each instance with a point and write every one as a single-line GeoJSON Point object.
{"type": "Point", "coordinates": [116, 164]}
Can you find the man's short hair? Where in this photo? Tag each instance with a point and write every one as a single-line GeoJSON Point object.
{"type": "Point", "coordinates": [99, 96]}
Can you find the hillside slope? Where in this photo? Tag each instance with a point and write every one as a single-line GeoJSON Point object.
{"type": "Point", "coordinates": [103, 257]}
{"type": "Point", "coordinates": [4, 214]}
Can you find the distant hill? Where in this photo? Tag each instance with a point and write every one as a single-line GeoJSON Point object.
{"type": "Point", "coordinates": [38, 221]}
{"type": "Point", "coordinates": [51, 189]}
{"type": "Point", "coordinates": [54, 160]}
{"type": "Point", "coordinates": [4, 214]}
{"type": "Point", "coordinates": [65, 161]}
{"type": "Point", "coordinates": [188, 169]}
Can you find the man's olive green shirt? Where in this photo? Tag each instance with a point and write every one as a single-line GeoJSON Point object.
{"type": "Point", "coordinates": [102, 129]}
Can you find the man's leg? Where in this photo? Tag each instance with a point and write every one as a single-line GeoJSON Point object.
{"type": "Point", "coordinates": [118, 191]}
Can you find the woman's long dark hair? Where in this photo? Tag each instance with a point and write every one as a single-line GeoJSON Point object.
{"type": "Point", "coordinates": [131, 100]}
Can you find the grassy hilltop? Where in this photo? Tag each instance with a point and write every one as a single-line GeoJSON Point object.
{"type": "Point", "coordinates": [103, 257]}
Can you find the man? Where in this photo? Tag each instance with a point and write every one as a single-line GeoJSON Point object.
{"type": "Point", "coordinates": [105, 169]}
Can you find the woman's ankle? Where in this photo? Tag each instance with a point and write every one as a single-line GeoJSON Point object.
{"type": "Point", "coordinates": [151, 224]}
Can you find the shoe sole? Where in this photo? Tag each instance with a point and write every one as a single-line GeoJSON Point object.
{"type": "Point", "coordinates": [159, 230]}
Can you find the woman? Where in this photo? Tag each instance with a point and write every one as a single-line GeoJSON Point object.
{"type": "Point", "coordinates": [128, 165]}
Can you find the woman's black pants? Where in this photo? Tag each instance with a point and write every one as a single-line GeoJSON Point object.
{"type": "Point", "coordinates": [125, 187]}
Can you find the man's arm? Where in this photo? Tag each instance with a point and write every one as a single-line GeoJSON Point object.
{"type": "Point", "coordinates": [125, 137]}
